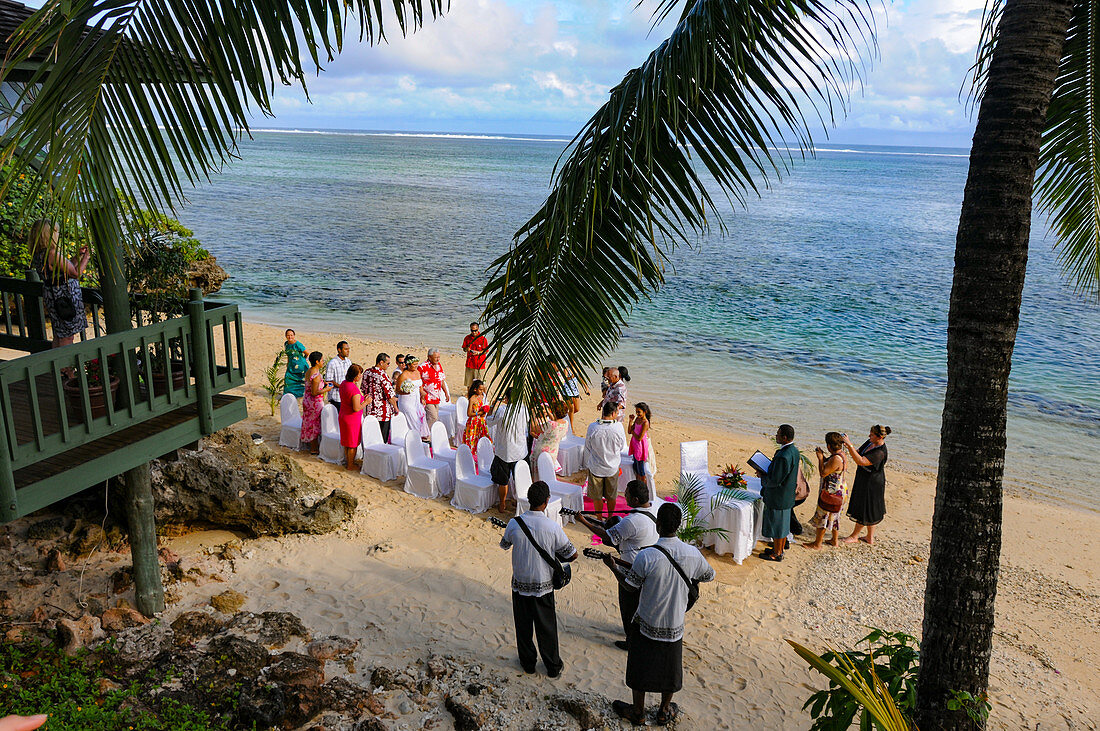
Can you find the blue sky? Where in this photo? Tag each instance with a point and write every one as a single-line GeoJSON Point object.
{"type": "Point", "coordinates": [507, 66]}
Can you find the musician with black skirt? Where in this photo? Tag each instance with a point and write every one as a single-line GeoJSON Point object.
{"type": "Point", "coordinates": [664, 575]}
{"type": "Point", "coordinates": [539, 546]}
{"type": "Point", "coordinates": [629, 534]}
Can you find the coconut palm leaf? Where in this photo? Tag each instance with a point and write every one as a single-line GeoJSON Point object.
{"type": "Point", "coordinates": [726, 93]}
{"type": "Point", "coordinates": [152, 96]}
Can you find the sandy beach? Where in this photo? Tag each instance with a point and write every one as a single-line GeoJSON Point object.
{"type": "Point", "coordinates": [441, 586]}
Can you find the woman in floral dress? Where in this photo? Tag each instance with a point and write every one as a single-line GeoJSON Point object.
{"type": "Point", "coordinates": [313, 401]}
{"type": "Point", "coordinates": [831, 468]}
{"type": "Point", "coordinates": [475, 413]}
{"type": "Point", "coordinates": [553, 431]}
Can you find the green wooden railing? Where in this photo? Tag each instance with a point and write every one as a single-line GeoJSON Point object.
{"type": "Point", "coordinates": [56, 400]}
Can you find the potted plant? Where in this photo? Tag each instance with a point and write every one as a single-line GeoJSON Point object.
{"type": "Point", "coordinates": [163, 362]}
{"type": "Point", "coordinates": [97, 391]}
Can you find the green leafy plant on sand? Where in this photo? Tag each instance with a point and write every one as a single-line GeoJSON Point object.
{"type": "Point", "coordinates": [691, 497]}
{"type": "Point", "coordinates": [275, 381]}
{"type": "Point", "coordinates": [977, 709]}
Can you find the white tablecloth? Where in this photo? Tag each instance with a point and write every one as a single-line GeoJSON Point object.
{"type": "Point", "coordinates": [740, 518]}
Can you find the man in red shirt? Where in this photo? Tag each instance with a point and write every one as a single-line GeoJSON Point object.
{"type": "Point", "coordinates": [435, 383]}
{"type": "Point", "coordinates": [475, 346]}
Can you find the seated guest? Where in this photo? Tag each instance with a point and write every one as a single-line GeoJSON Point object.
{"type": "Point", "coordinates": [603, 450]}
{"type": "Point", "coordinates": [313, 401]}
{"type": "Point", "coordinates": [654, 660]}
{"type": "Point", "coordinates": [777, 488]}
{"type": "Point", "coordinates": [351, 412]}
{"type": "Point", "coordinates": [553, 431]}
{"type": "Point", "coordinates": [476, 428]}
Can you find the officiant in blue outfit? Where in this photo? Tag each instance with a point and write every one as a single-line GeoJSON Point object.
{"type": "Point", "coordinates": [777, 488]}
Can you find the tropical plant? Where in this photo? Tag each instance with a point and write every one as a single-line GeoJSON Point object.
{"type": "Point", "coordinates": [725, 91]}
{"type": "Point", "coordinates": [275, 381]}
{"type": "Point", "coordinates": [691, 495]}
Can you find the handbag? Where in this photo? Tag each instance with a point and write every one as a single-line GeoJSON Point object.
{"type": "Point", "coordinates": [801, 487]}
{"type": "Point", "coordinates": [830, 502]}
{"type": "Point", "coordinates": [63, 305]}
{"type": "Point", "coordinates": [563, 573]}
{"type": "Point", "coordinates": [693, 584]}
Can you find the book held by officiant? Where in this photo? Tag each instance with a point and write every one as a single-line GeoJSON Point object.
{"type": "Point", "coordinates": [760, 461]}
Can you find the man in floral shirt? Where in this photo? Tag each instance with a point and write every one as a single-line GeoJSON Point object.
{"type": "Point", "coordinates": [381, 399]}
{"type": "Point", "coordinates": [435, 383]}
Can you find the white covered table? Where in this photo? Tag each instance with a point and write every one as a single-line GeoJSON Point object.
{"type": "Point", "coordinates": [741, 519]}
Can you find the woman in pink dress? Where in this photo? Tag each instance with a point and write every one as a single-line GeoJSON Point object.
{"type": "Point", "coordinates": [639, 437]}
{"type": "Point", "coordinates": [351, 413]}
{"type": "Point", "coordinates": [313, 401]}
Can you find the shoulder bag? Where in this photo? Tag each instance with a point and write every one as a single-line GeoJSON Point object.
{"type": "Point", "coordinates": [693, 584]}
{"type": "Point", "coordinates": [563, 573]}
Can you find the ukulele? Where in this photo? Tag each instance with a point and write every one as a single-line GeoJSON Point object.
{"type": "Point", "coordinates": [599, 555]}
{"type": "Point", "coordinates": [498, 522]}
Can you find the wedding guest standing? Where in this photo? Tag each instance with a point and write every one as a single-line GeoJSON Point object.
{"type": "Point", "coordinates": [777, 488]}
{"type": "Point", "coordinates": [400, 360]}
{"type": "Point", "coordinates": [476, 428]}
{"type": "Point", "coordinates": [638, 428]}
{"type": "Point", "coordinates": [476, 347]}
{"type": "Point", "coordinates": [410, 396]}
{"type": "Point", "coordinates": [296, 365]}
{"type": "Point", "coordinates": [61, 281]}
{"type": "Point", "coordinates": [513, 422]}
{"type": "Point", "coordinates": [532, 580]}
{"type": "Point", "coordinates": [867, 506]}
{"type": "Point", "coordinates": [616, 392]}
{"type": "Point", "coordinates": [604, 443]}
{"type": "Point", "coordinates": [435, 386]}
{"type": "Point", "coordinates": [655, 649]}
{"type": "Point", "coordinates": [313, 401]}
{"type": "Point", "coordinates": [831, 467]}
{"type": "Point", "coordinates": [379, 394]}
{"type": "Point", "coordinates": [337, 369]}
{"type": "Point", "coordinates": [553, 431]}
{"type": "Point", "coordinates": [351, 413]}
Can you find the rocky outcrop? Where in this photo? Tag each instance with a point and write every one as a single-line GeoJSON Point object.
{"type": "Point", "coordinates": [236, 484]}
{"type": "Point", "coordinates": [207, 275]}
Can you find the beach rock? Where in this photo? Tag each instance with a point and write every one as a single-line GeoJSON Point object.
{"type": "Point", "coordinates": [73, 634]}
{"type": "Point", "coordinates": [16, 635]}
{"type": "Point", "coordinates": [7, 606]}
{"type": "Point", "coordinates": [328, 648]}
{"type": "Point", "coordinates": [117, 619]}
{"type": "Point", "coordinates": [5, 542]}
{"type": "Point", "coordinates": [383, 678]}
{"type": "Point", "coordinates": [44, 530]}
{"type": "Point", "coordinates": [103, 686]}
{"type": "Point", "coordinates": [96, 605]}
{"type": "Point", "coordinates": [296, 669]}
{"type": "Point", "coordinates": [272, 629]}
{"type": "Point", "coordinates": [371, 724]}
{"type": "Point", "coordinates": [580, 708]}
{"type": "Point", "coordinates": [236, 484]}
{"type": "Point", "coordinates": [190, 627]}
{"type": "Point", "coordinates": [40, 614]}
{"type": "Point", "coordinates": [229, 660]}
{"type": "Point", "coordinates": [121, 580]}
{"type": "Point", "coordinates": [262, 704]}
{"type": "Point", "coordinates": [87, 539]}
{"type": "Point", "coordinates": [228, 602]}
{"type": "Point", "coordinates": [55, 561]}
{"type": "Point", "coordinates": [207, 275]}
{"type": "Point", "coordinates": [437, 667]}
{"type": "Point", "coordinates": [466, 718]}
{"type": "Point", "coordinates": [340, 694]}
{"type": "Point", "coordinates": [231, 550]}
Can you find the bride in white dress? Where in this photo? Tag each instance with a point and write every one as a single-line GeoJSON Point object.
{"type": "Point", "coordinates": [410, 390]}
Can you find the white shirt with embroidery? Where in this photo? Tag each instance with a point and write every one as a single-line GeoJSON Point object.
{"type": "Point", "coordinates": [531, 575]}
{"type": "Point", "coordinates": [664, 594]}
{"type": "Point", "coordinates": [635, 531]}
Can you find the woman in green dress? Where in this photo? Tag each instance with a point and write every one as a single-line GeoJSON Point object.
{"type": "Point", "coordinates": [296, 365]}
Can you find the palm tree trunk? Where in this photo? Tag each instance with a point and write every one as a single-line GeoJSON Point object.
{"type": "Point", "coordinates": [990, 262]}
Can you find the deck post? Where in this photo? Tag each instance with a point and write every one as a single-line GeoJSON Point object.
{"type": "Point", "coordinates": [138, 481]}
{"type": "Point", "coordinates": [36, 312]}
{"type": "Point", "coordinates": [9, 506]}
{"type": "Point", "coordinates": [204, 385]}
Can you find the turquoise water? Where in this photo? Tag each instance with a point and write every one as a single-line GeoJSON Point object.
{"type": "Point", "coordinates": [825, 305]}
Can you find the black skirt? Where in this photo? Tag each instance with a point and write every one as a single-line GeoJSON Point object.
{"type": "Point", "coordinates": [867, 505]}
{"type": "Point", "coordinates": [652, 666]}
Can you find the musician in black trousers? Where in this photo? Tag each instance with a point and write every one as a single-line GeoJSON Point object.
{"type": "Point", "coordinates": [629, 534]}
{"type": "Point", "coordinates": [532, 580]}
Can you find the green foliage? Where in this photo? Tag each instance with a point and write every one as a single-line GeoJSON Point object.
{"type": "Point", "coordinates": [20, 206]}
{"type": "Point", "coordinates": [158, 262]}
{"type": "Point", "coordinates": [37, 679]}
{"type": "Point", "coordinates": [977, 709]}
{"type": "Point", "coordinates": [275, 381]}
{"type": "Point", "coordinates": [892, 657]}
{"type": "Point", "coordinates": [691, 496]}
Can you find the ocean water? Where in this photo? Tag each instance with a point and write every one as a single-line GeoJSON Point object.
{"type": "Point", "coordinates": [825, 304]}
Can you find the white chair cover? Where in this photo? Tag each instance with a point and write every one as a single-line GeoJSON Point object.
{"type": "Point", "coordinates": [447, 411]}
{"type": "Point", "coordinates": [571, 496]}
{"type": "Point", "coordinates": [694, 460]}
{"type": "Point", "coordinates": [474, 493]}
{"type": "Point", "coordinates": [570, 451]}
{"type": "Point", "coordinates": [462, 405]}
{"type": "Point", "coordinates": [485, 455]}
{"type": "Point", "coordinates": [441, 448]}
{"type": "Point", "coordinates": [425, 477]}
{"type": "Point", "coordinates": [522, 479]}
{"type": "Point", "coordinates": [398, 426]}
{"type": "Point", "coordinates": [331, 450]}
{"type": "Point", "coordinates": [380, 460]}
{"type": "Point", "coordinates": [290, 435]}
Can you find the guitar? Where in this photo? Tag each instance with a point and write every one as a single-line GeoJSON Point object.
{"type": "Point", "coordinates": [599, 555]}
{"type": "Point", "coordinates": [498, 522]}
{"type": "Point", "coordinates": [605, 524]}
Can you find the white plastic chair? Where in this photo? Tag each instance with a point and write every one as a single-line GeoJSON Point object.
{"type": "Point", "coordinates": [425, 477]}
{"type": "Point", "coordinates": [694, 460]}
{"type": "Point", "coordinates": [398, 426]}
{"type": "Point", "coordinates": [380, 460]}
{"type": "Point", "coordinates": [474, 493]}
{"type": "Point", "coordinates": [461, 407]}
{"type": "Point", "coordinates": [331, 450]}
{"type": "Point", "coordinates": [570, 451]}
{"type": "Point", "coordinates": [571, 496]}
{"type": "Point", "coordinates": [485, 455]}
{"type": "Point", "coordinates": [290, 435]}
{"type": "Point", "coordinates": [441, 448]}
{"type": "Point", "coordinates": [522, 479]}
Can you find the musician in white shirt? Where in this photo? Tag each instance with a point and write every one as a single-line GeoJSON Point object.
{"type": "Point", "coordinates": [654, 661]}
{"type": "Point", "coordinates": [532, 581]}
{"type": "Point", "coordinates": [630, 534]}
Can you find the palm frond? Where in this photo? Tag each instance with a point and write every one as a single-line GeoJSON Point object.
{"type": "Point", "coordinates": [152, 96]}
{"type": "Point", "coordinates": [1067, 185]}
{"type": "Point", "coordinates": [726, 92]}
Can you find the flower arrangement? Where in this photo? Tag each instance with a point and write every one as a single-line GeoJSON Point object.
{"type": "Point", "coordinates": [732, 478]}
